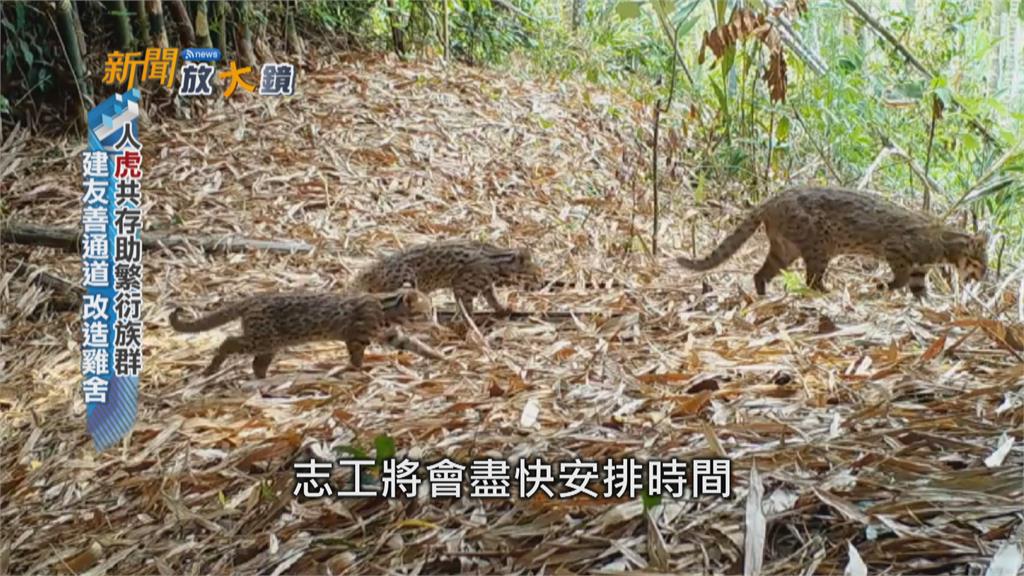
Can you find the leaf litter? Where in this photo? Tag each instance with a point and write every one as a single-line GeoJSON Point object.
{"type": "Point", "coordinates": [886, 434]}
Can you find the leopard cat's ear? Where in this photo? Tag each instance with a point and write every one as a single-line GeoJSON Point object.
{"type": "Point", "coordinates": [981, 239]}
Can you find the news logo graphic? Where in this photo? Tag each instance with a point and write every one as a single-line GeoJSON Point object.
{"type": "Point", "coordinates": [112, 268]}
{"type": "Point", "coordinates": [197, 72]}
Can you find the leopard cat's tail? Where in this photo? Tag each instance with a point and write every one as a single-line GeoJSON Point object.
{"type": "Point", "coordinates": [728, 247]}
{"type": "Point", "coordinates": [220, 316]}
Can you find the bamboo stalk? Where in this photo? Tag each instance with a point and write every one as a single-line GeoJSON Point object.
{"type": "Point", "coordinates": [203, 25]}
{"type": "Point", "coordinates": [186, 34]}
{"type": "Point", "coordinates": [156, 23]}
{"type": "Point", "coordinates": [122, 24]}
{"type": "Point", "coordinates": [143, 15]}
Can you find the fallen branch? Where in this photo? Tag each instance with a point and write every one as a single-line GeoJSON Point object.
{"type": "Point", "coordinates": [66, 294]}
{"type": "Point", "coordinates": [917, 170]}
{"type": "Point", "coordinates": [69, 239]}
{"type": "Point", "coordinates": [892, 149]}
{"type": "Point", "coordinates": [558, 316]}
{"type": "Point", "coordinates": [882, 155]}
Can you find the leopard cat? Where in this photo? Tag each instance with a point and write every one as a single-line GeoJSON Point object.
{"type": "Point", "coordinates": [818, 224]}
{"type": "Point", "coordinates": [272, 321]}
{"type": "Point", "coordinates": [469, 268]}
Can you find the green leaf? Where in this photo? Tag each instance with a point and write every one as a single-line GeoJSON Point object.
{"type": "Point", "coordinates": [722, 103]}
{"type": "Point", "coordinates": [26, 53]}
{"type": "Point", "coordinates": [755, 5]}
{"type": "Point", "coordinates": [913, 90]}
{"type": "Point", "coordinates": [793, 282]}
{"type": "Point", "coordinates": [848, 65]}
{"type": "Point", "coordinates": [728, 59]}
{"type": "Point", "coordinates": [969, 142]}
{"type": "Point", "coordinates": [266, 490]}
{"type": "Point", "coordinates": [663, 8]}
{"type": "Point", "coordinates": [698, 194]}
{"type": "Point", "coordinates": [627, 9]}
{"type": "Point", "coordinates": [686, 26]}
{"type": "Point", "coordinates": [720, 6]}
{"type": "Point", "coordinates": [782, 130]}
{"type": "Point", "coordinates": [650, 501]}
{"type": "Point", "coordinates": [1020, 11]}
{"type": "Point", "coordinates": [685, 12]}
{"type": "Point", "coordinates": [385, 446]}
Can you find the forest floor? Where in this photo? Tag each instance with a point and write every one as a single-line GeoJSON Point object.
{"type": "Point", "coordinates": [858, 420]}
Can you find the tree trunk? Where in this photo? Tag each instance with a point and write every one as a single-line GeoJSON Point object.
{"type": "Point", "coordinates": [243, 36]}
{"type": "Point", "coordinates": [156, 23]}
{"type": "Point", "coordinates": [122, 23]}
{"type": "Point", "coordinates": [396, 32]}
{"type": "Point", "coordinates": [69, 37]}
{"type": "Point", "coordinates": [295, 45]}
{"type": "Point", "coordinates": [79, 33]}
{"type": "Point", "coordinates": [219, 32]}
{"type": "Point", "coordinates": [186, 35]}
{"type": "Point", "coordinates": [143, 16]}
{"type": "Point", "coordinates": [202, 26]}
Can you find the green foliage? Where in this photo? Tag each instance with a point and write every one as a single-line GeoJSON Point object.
{"type": "Point", "coordinates": [831, 127]}
{"type": "Point", "coordinates": [28, 55]}
{"type": "Point", "coordinates": [868, 97]}
{"type": "Point", "coordinates": [385, 448]}
{"type": "Point", "coordinates": [480, 32]}
{"type": "Point", "coordinates": [349, 17]}
{"type": "Point", "coordinates": [793, 282]}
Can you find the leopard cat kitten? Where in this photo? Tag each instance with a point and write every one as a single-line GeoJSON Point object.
{"type": "Point", "coordinates": [469, 268]}
{"type": "Point", "coordinates": [272, 321]}
{"type": "Point", "coordinates": [818, 224]}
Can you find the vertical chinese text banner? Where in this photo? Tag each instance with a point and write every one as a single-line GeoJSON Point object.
{"type": "Point", "coordinates": [112, 268]}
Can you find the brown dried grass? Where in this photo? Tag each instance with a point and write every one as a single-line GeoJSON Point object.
{"type": "Point", "coordinates": [869, 418]}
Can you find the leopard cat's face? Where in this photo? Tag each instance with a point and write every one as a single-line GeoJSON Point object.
{"type": "Point", "coordinates": [971, 259]}
{"type": "Point", "coordinates": [521, 269]}
{"type": "Point", "coordinates": [416, 303]}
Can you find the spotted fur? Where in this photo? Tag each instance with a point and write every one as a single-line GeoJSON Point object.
{"type": "Point", "coordinates": [818, 224]}
{"type": "Point", "coordinates": [467, 267]}
{"type": "Point", "coordinates": [272, 321]}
